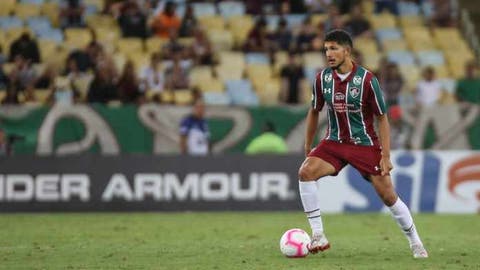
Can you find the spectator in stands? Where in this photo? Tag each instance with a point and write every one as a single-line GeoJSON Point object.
{"type": "Point", "coordinates": [292, 79]}
{"type": "Point", "coordinates": [128, 84]}
{"type": "Point", "coordinates": [281, 38]}
{"type": "Point", "coordinates": [443, 14]}
{"type": "Point", "coordinates": [176, 76]}
{"type": "Point", "coordinates": [64, 92]}
{"type": "Point", "coordinates": [26, 47]}
{"type": "Point", "coordinates": [4, 80]}
{"type": "Point", "coordinates": [468, 88]}
{"type": "Point", "coordinates": [173, 47]}
{"type": "Point", "coordinates": [152, 76]}
{"type": "Point", "coordinates": [201, 48]}
{"type": "Point", "coordinates": [317, 42]}
{"type": "Point", "coordinates": [357, 56]}
{"type": "Point", "coordinates": [429, 89]}
{"type": "Point", "coordinates": [194, 132]}
{"type": "Point", "coordinates": [399, 130]}
{"type": "Point", "coordinates": [318, 6]}
{"type": "Point", "coordinates": [22, 75]}
{"type": "Point", "coordinates": [334, 20]}
{"type": "Point", "coordinates": [257, 40]}
{"type": "Point", "coordinates": [102, 89]}
{"type": "Point", "coordinates": [72, 13]}
{"type": "Point", "coordinates": [386, 5]}
{"type": "Point", "coordinates": [11, 96]}
{"type": "Point", "coordinates": [189, 22]}
{"type": "Point", "coordinates": [269, 142]}
{"type": "Point", "coordinates": [358, 25]}
{"type": "Point", "coordinates": [305, 36]}
{"type": "Point", "coordinates": [132, 21]}
{"type": "Point", "coordinates": [46, 79]}
{"type": "Point", "coordinates": [393, 84]}
{"type": "Point", "coordinates": [295, 6]}
{"type": "Point", "coordinates": [167, 21]}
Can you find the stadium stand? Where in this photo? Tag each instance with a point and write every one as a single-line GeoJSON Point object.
{"type": "Point", "coordinates": [411, 37]}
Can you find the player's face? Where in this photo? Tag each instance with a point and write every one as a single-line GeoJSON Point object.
{"type": "Point", "coordinates": [336, 54]}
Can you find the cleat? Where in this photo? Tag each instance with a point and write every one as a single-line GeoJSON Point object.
{"type": "Point", "coordinates": [319, 243]}
{"type": "Point", "coordinates": [419, 251]}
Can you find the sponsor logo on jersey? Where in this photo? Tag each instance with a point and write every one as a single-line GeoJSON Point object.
{"type": "Point", "coordinates": [357, 80]}
{"type": "Point", "coordinates": [327, 90]}
{"type": "Point", "coordinates": [328, 77]}
{"type": "Point", "coordinates": [354, 92]}
{"type": "Point", "coordinates": [339, 96]}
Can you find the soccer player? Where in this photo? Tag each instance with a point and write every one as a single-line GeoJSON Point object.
{"type": "Point", "coordinates": [194, 133]}
{"type": "Point", "coordinates": [353, 98]}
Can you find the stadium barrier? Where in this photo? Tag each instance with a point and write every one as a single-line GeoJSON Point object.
{"type": "Point", "coordinates": [153, 129]}
{"type": "Point", "coordinates": [437, 181]}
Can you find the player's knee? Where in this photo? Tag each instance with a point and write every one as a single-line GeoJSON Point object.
{"type": "Point", "coordinates": [306, 173]}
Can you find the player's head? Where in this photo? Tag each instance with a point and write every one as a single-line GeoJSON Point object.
{"type": "Point", "coordinates": [198, 108]}
{"type": "Point", "coordinates": [338, 47]}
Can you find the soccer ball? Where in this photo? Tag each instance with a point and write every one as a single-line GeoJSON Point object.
{"type": "Point", "coordinates": [294, 243]}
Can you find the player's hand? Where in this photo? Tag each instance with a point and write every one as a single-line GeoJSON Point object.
{"type": "Point", "coordinates": [385, 165]}
{"type": "Point", "coordinates": [307, 149]}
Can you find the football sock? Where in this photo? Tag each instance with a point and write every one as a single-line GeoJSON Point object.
{"type": "Point", "coordinates": [404, 219]}
{"type": "Point", "coordinates": [311, 204]}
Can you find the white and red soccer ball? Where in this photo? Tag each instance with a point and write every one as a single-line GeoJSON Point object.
{"type": "Point", "coordinates": [294, 243]}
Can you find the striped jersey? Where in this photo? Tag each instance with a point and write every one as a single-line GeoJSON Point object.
{"type": "Point", "coordinates": [351, 104]}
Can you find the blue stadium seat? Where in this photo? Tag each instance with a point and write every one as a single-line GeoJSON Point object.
{"type": "Point", "coordinates": [257, 58]}
{"type": "Point", "coordinates": [241, 92]}
{"type": "Point", "coordinates": [427, 9]}
{"type": "Point", "coordinates": [36, 2]}
{"type": "Point", "coordinates": [430, 58]}
{"type": "Point", "coordinates": [408, 8]}
{"type": "Point", "coordinates": [310, 73]}
{"type": "Point", "coordinates": [231, 8]}
{"type": "Point", "coordinates": [272, 22]}
{"type": "Point", "coordinates": [216, 98]}
{"type": "Point", "coordinates": [388, 33]}
{"type": "Point", "coordinates": [203, 9]}
{"type": "Point", "coordinates": [401, 57]}
{"type": "Point", "coordinates": [294, 20]}
{"type": "Point", "coordinates": [51, 34]}
{"type": "Point", "coordinates": [8, 22]}
{"type": "Point", "coordinates": [39, 24]}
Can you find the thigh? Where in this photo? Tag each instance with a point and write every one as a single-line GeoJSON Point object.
{"type": "Point", "coordinates": [366, 159]}
{"type": "Point", "coordinates": [331, 153]}
{"type": "Point", "coordinates": [314, 168]}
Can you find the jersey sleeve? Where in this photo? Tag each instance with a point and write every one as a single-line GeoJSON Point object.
{"type": "Point", "coordinates": [317, 96]}
{"type": "Point", "coordinates": [375, 98]}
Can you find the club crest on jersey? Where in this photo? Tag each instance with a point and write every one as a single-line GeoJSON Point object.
{"type": "Point", "coordinates": [357, 80]}
{"type": "Point", "coordinates": [354, 92]}
{"type": "Point", "coordinates": [328, 77]}
{"type": "Point", "coordinates": [339, 96]}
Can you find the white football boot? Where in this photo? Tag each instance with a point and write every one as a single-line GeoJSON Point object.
{"type": "Point", "coordinates": [419, 251]}
{"type": "Point", "coordinates": [319, 243]}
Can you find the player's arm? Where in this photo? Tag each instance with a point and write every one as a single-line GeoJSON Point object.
{"type": "Point", "coordinates": [312, 122]}
{"type": "Point", "coordinates": [312, 116]}
{"type": "Point", "coordinates": [384, 135]}
{"type": "Point", "coordinates": [377, 101]}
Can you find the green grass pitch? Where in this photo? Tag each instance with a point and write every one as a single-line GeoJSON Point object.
{"type": "Point", "coordinates": [237, 240]}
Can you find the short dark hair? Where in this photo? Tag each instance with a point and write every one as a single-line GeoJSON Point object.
{"type": "Point", "coordinates": [342, 37]}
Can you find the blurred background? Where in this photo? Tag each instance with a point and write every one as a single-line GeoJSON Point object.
{"type": "Point", "coordinates": [105, 102]}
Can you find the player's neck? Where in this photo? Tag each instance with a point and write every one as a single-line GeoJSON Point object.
{"type": "Point", "coordinates": [346, 67]}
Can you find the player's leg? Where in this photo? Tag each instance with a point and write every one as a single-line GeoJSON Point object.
{"type": "Point", "coordinates": [311, 170]}
{"type": "Point", "coordinates": [400, 212]}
